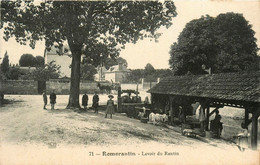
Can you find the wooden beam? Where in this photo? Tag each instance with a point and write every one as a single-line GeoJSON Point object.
{"type": "Point", "coordinates": [211, 113]}
{"type": "Point", "coordinates": [119, 100]}
{"type": "Point", "coordinates": [171, 99]}
{"type": "Point", "coordinates": [255, 116]}
{"type": "Point", "coordinates": [246, 117]}
{"type": "Point", "coordinates": [222, 104]}
{"type": "Point", "coordinates": [207, 118]}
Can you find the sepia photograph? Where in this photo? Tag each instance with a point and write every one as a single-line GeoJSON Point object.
{"type": "Point", "coordinates": [129, 82]}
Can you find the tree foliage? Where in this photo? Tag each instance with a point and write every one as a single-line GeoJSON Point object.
{"type": "Point", "coordinates": [87, 72]}
{"type": "Point", "coordinates": [46, 72]}
{"type": "Point", "coordinates": [224, 44]}
{"type": "Point", "coordinates": [149, 69]}
{"type": "Point", "coordinates": [114, 61]}
{"type": "Point", "coordinates": [5, 64]}
{"type": "Point", "coordinates": [135, 76]}
{"type": "Point", "coordinates": [98, 29]}
{"type": "Point", "coordinates": [149, 74]}
{"type": "Point", "coordinates": [14, 73]}
{"type": "Point", "coordinates": [39, 61]}
{"type": "Point", "coordinates": [27, 60]}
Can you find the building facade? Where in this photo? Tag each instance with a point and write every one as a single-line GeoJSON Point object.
{"type": "Point", "coordinates": [64, 60]}
{"type": "Point", "coordinates": [116, 73]}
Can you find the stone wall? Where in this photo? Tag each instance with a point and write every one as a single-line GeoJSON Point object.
{"type": "Point", "coordinates": [63, 87]}
{"type": "Point", "coordinates": [130, 86]}
{"type": "Point", "coordinates": [60, 86]}
{"type": "Point", "coordinates": [148, 85]}
{"type": "Point", "coordinates": [19, 87]}
{"type": "Point", "coordinates": [30, 87]}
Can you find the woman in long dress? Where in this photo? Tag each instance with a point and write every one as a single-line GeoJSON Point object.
{"type": "Point", "coordinates": [110, 106]}
{"type": "Point", "coordinates": [242, 140]}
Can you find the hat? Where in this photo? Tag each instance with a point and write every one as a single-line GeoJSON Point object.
{"type": "Point", "coordinates": [110, 96]}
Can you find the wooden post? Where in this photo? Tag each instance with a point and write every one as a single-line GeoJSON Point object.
{"type": "Point", "coordinates": [119, 100]}
{"type": "Point", "coordinates": [255, 116]}
{"type": "Point", "coordinates": [207, 119]}
{"type": "Point", "coordinates": [152, 102]}
{"type": "Point", "coordinates": [171, 98]}
{"type": "Point", "coordinates": [246, 117]}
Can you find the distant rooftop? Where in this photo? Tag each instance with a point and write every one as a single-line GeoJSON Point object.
{"type": "Point", "coordinates": [118, 68]}
{"type": "Point", "coordinates": [56, 51]}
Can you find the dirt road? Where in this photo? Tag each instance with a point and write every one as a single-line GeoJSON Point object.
{"type": "Point", "coordinates": [29, 134]}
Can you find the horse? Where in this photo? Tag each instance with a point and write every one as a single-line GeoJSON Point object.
{"type": "Point", "coordinates": [105, 88]}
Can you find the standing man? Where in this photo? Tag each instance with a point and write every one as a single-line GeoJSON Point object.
{"type": "Point", "coordinates": [45, 100]}
{"type": "Point", "coordinates": [182, 115]}
{"type": "Point", "coordinates": [52, 99]}
{"type": "Point", "coordinates": [95, 101]}
{"type": "Point", "coordinates": [85, 101]}
{"type": "Point", "coordinates": [146, 100]}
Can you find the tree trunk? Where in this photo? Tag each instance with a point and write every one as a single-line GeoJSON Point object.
{"type": "Point", "coordinates": [75, 80]}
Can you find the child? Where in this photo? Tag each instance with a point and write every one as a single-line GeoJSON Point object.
{"type": "Point", "coordinates": [52, 99]}
{"type": "Point", "coordinates": [95, 102]}
{"type": "Point", "coordinates": [45, 100]}
{"type": "Point", "coordinates": [110, 106]}
{"type": "Point", "coordinates": [85, 101]}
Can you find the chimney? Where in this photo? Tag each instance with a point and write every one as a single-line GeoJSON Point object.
{"type": "Point", "coordinates": [61, 50]}
{"type": "Point", "coordinates": [120, 66]}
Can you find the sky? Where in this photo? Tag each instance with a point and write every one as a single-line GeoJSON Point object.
{"type": "Point", "coordinates": [157, 53]}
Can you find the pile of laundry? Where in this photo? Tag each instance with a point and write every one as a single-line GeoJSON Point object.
{"type": "Point", "coordinates": [157, 119]}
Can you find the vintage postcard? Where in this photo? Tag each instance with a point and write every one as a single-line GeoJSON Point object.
{"type": "Point", "coordinates": [129, 82]}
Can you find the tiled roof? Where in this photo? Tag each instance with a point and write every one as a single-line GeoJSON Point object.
{"type": "Point", "coordinates": [227, 86]}
{"type": "Point", "coordinates": [116, 68]}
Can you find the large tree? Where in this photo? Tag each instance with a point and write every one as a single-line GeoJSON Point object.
{"type": "Point", "coordinates": [224, 44]}
{"type": "Point", "coordinates": [97, 29]}
{"type": "Point", "coordinates": [149, 69]}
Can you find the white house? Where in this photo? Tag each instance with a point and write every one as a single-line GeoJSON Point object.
{"type": "Point", "coordinates": [116, 73]}
{"type": "Point", "coordinates": [64, 61]}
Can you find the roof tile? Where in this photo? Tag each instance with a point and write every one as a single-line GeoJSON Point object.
{"type": "Point", "coordinates": [232, 86]}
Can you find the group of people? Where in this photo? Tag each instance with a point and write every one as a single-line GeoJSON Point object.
{"type": "Point", "coordinates": [175, 111]}
{"type": "Point", "coordinates": [95, 102]}
{"type": "Point", "coordinates": [52, 99]}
